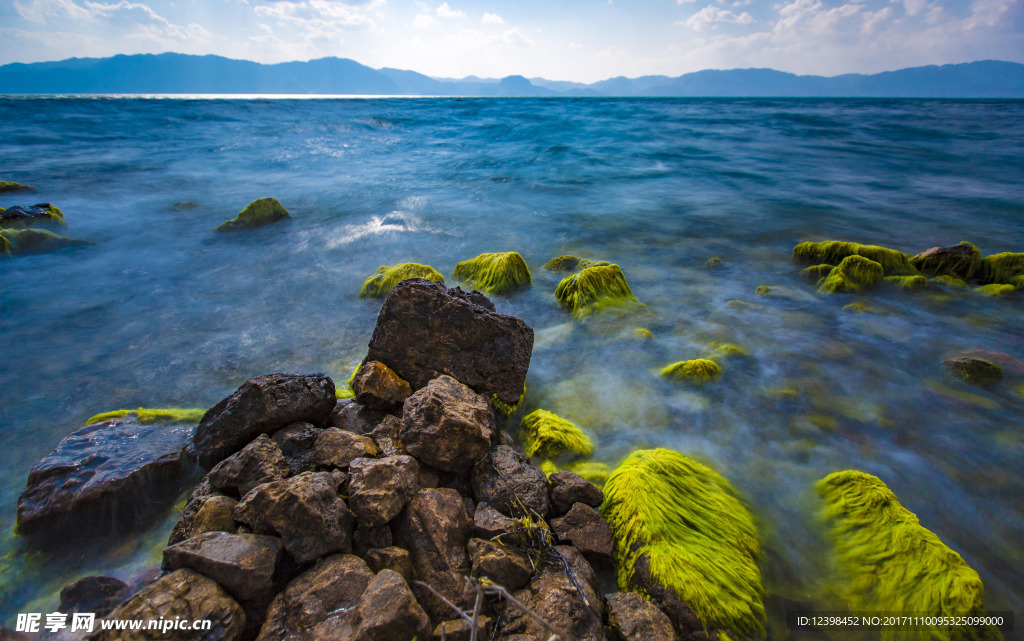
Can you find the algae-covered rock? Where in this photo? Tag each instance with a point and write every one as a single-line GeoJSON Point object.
{"type": "Point", "coordinates": [387, 276]}
{"type": "Point", "coordinates": [960, 261]}
{"type": "Point", "coordinates": [564, 263]}
{"type": "Point", "coordinates": [974, 370]}
{"type": "Point", "coordinates": [256, 214]}
{"type": "Point", "coordinates": [147, 415]}
{"type": "Point", "coordinates": [817, 272]}
{"type": "Point", "coordinates": [763, 290]}
{"type": "Point", "coordinates": [16, 242]}
{"type": "Point", "coordinates": [7, 186]}
{"type": "Point", "coordinates": [698, 370]}
{"type": "Point", "coordinates": [907, 282]}
{"type": "Point", "coordinates": [19, 216]}
{"type": "Point", "coordinates": [996, 289]}
{"type": "Point", "coordinates": [1001, 268]}
{"type": "Point", "coordinates": [594, 287]}
{"type": "Point", "coordinates": [892, 563]}
{"type": "Point", "coordinates": [852, 275]}
{"type": "Point", "coordinates": [497, 273]}
{"type": "Point", "coordinates": [713, 263]}
{"type": "Point", "coordinates": [894, 263]}
{"type": "Point", "coordinates": [684, 538]}
{"type": "Point", "coordinates": [547, 434]}
{"type": "Point", "coordinates": [950, 281]}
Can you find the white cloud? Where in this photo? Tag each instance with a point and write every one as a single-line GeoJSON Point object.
{"type": "Point", "coordinates": [711, 15]}
{"type": "Point", "coordinates": [445, 11]}
{"type": "Point", "coordinates": [424, 21]}
{"type": "Point", "coordinates": [491, 18]}
{"type": "Point", "coordinates": [321, 17]}
{"type": "Point", "coordinates": [681, 2]}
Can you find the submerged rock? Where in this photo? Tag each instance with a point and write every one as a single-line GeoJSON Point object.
{"type": "Point", "coordinates": [960, 261]}
{"type": "Point", "coordinates": [698, 370]}
{"type": "Point", "coordinates": [833, 252]}
{"type": "Point", "coordinates": [20, 216]}
{"type": "Point", "coordinates": [386, 277]}
{"type": "Point", "coordinates": [15, 242]}
{"type": "Point", "coordinates": [256, 214]}
{"type": "Point", "coordinates": [447, 425]}
{"type": "Point", "coordinates": [592, 288]}
{"type": "Point", "coordinates": [498, 273]}
{"type": "Point", "coordinates": [1001, 268]}
{"type": "Point", "coordinates": [546, 434]}
{"type": "Point", "coordinates": [6, 186]}
{"type": "Point", "coordinates": [852, 275]}
{"type": "Point", "coordinates": [974, 370]}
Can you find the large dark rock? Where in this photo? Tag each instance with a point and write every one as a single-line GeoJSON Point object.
{"type": "Point", "coordinates": [380, 488]}
{"type": "Point", "coordinates": [425, 330]}
{"type": "Point", "coordinates": [335, 449]}
{"type": "Point", "coordinates": [262, 405]}
{"type": "Point", "coordinates": [21, 216]}
{"type": "Point", "coordinates": [505, 479]}
{"type": "Point", "coordinates": [568, 488]}
{"type": "Point", "coordinates": [96, 594]}
{"type": "Point", "coordinates": [447, 425]}
{"type": "Point", "coordinates": [378, 387]}
{"type": "Point", "coordinates": [110, 474]}
{"type": "Point", "coordinates": [257, 463]}
{"type": "Point", "coordinates": [353, 417]}
{"type": "Point", "coordinates": [305, 511]}
{"type": "Point", "coordinates": [388, 436]}
{"type": "Point", "coordinates": [633, 618]}
{"type": "Point", "coordinates": [184, 595]}
{"type": "Point", "coordinates": [296, 442]}
{"type": "Point", "coordinates": [388, 611]}
{"type": "Point", "coordinates": [243, 564]}
{"type": "Point", "coordinates": [586, 530]}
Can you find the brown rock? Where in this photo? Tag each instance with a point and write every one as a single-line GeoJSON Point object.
{"type": "Point", "coordinates": [391, 558]}
{"type": "Point", "coordinates": [633, 618]}
{"type": "Point", "coordinates": [336, 448]}
{"type": "Point", "coordinates": [462, 630]}
{"type": "Point", "coordinates": [505, 478]}
{"type": "Point", "coordinates": [567, 488]}
{"type": "Point", "coordinates": [262, 405]}
{"type": "Point", "coordinates": [961, 260]}
{"type": "Point", "coordinates": [183, 528]}
{"type": "Point", "coordinates": [368, 537]}
{"type": "Point", "coordinates": [216, 515]}
{"type": "Point", "coordinates": [353, 417]}
{"type": "Point", "coordinates": [586, 530]}
{"type": "Point", "coordinates": [425, 330]}
{"type": "Point", "coordinates": [679, 613]}
{"type": "Point", "coordinates": [243, 564]}
{"type": "Point", "coordinates": [489, 523]}
{"type": "Point", "coordinates": [388, 436]}
{"type": "Point", "coordinates": [259, 462]}
{"type": "Point", "coordinates": [508, 567]}
{"type": "Point", "coordinates": [296, 442]}
{"type": "Point", "coordinates": [447, 425]}
{"type": "Point", "coordinates": [96, 594]}
{"type": "Point", "coordinates": [305, 511]}
{"type": "Point", "coordinates": [388, 611]}
{"type": "Point", "coordinates": [380, 488]}
{"type": "Point", "coordinates": [378, 387]}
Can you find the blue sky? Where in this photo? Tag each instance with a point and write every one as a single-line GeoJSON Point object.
{"type": "Point", "coordinates": [577, 40]}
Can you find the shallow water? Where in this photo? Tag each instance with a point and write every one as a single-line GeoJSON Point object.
{"type": "Point", "coordinates": [161, 312]}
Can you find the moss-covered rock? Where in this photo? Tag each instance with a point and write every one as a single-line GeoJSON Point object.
{"type": "Point", "coordinates": [594, 287]}
{"type": "Point", "coordinates": [564, 263]}
{"type": "Point", "coordinates": [892, 563]}
{"type": "Point", "coordinates": [546, 434]}
{"type": "Point", "coordinates": [713, 263]}
{"type": "Point", "coordinates": [497, 273]}
{"type": "Point", "coordinates": [698, 370]}
{"type": "Point", "coordinates": [35, 241]}
{"type": "Point", "coordinates": [974, 370]}
{"type": "Point", "coordinates": [950, 281]}
{"type": "Point", "coordinates": [7, 186]}
{"type": "Point", "coordinates": [961, 260]}
{"type": "Point", "coordinates": [894, 263]}
{"type": "Point", "coordinates": [144, 415]}
{"type": "Point", "coordinates": [19, 217]}
{"type": "Point", "coordinates": [853, 274]}
{"type": "Point", "coordinates": [1001, 268]}
{"type": "Point", "coordinates": [907, 282]}
{"type": "Point", "coordinates": [642, 333]}
{"type": "Point", "coordinates": [681, 532]}
{"type": "Point", "coordinates": [996, 289]}
{"type": "Point", "coordinates": [386, 277]}
{"type": "Point", "coordinates": [816, 272]}
{"type": "Point", "coordinates": [763, 290]}
{"type": "Point", "coordinates": [256, 214]}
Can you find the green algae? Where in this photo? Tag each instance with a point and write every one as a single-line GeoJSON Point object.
{"type": "Point", "coordinates": [259, 212]}
{"type": "Point", "coordinates": [892, 563]}
{"type": "Point", "coordinates": [727, 349]}
{"type": "Point", "coordinates": [33, 241]}
{"type": "Point", "coordinates": [1001, 268]}
{"type": "Point", "coordinates": [7, 186]}
{"type": "Point", "coordinates": [713, 263]}
{"type": "Point", "coordinates": [950, 281]}
{"type": "Point", "coordinates": [387, 276]}
{"type": "Point", "coordinates": [852, 275]}
{"type": "Point", "coordinates": [698, 370]}
{"type": "Point", "coordinates": [570, 263]}
{"type": "Point", "coordinates": [593, 288]}
{"type": "Point", "coordinates": [995, 289]}
{"type": "Point", "coordinates": [907, 282]}
{"type": "Point", "coordinates": [496, 273]}
{"type": "Point", "coordinates": [859, 307]}
{"type": "Point", "coordinates": [548, 467]}
{"type": "Point", "coordinates": [698, 536]}
{"type": "Point", "coordinates": [504, 408]}
{"type": "Point", "coordinates": [546, 434]}
{"type": "Point", "coordinates": [960, 396]}
{"type": "Point", "coordinates": [763, 290]}
{"type": "Point", "coordinates": [817, 272]}
{"type": "Point", "coordinates": [947, 263]}
{"type": "Point", "coordinates": [642, 333]}
{"type": "Point", "coordinates": [894, 263]}
{"type": "Point", "coordinates": [345, 389]}
{"type": "Point", "coordinates": [145, 415]}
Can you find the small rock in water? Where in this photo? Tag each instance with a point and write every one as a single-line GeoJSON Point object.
{"type": "Point", "coordinates": [97, 594]}
{"type": "Point", "coordinates": [974, 370]}
{"type": "Point", "coordinates": [256, 214]}
{"type": "Point", "coordinates": [21, 216]}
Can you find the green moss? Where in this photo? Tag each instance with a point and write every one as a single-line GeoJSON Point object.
{"type": "Point", "coordinates": [504, 408]}
{"type": "Point", "coordinates": [256, 214]}
{"type": "Point", "coordinates": [1017, 281]}
{"type": "Point", "coordinates": [386, 277]}
{"type": "Point", "coordinates": [698, 535]}
{"type": "Point", "coordinates": [852, 275]}
{"type": "Point", "coordinates": [699, 370]}
{"type": "Point", "coordinates": [7, 186]}
{"type": "Point", "coordinates": [891, 562]}
{"type": "Point", "coordinates": [907, 282]}
{"type": "Point", "coordinates": [642, 333]}
{"type": "Point", "coordinates": [548, 467]}
{"type": "Point", "coordinates": [859, 307]}
{"type": "Point", "coordinates": [497, 273]}
{"type": "Point", "coordinates": [163, 415]}
{"type": "Point", "coordinates": [952, 261]}
{"type": "Point", "coordinates": [345, 389]}
{"type": "Point", "coordinates": [33, 241]}
{"type": "Point", "coordinates": [565, 263]}
{"type": "Point", "coordinates": [1001, 268]}
{"type": "Point", "coordinates": [950, 281]}
{"type": "Point", "coordinates": [995, 289]}
{"type": "Point", "coordinates": [894, 263]}
{"type": "Point", "coordinates": [727, 349]}
{"type": "Point", "coordinates": [594, 287]}
{"type": "Point", "coordinates": [547, 434]}
{"type": "Point", "coordinates": [816, 272]}
{"type": "Point", "coordinates": [763, 290]}
{"type": "Point", "coordinates": [713, 263]}
{"type": "Point", "coordinates": [6, 247]}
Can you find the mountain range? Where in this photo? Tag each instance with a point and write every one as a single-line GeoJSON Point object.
{"type": "Point", "coordinates": [176, 73]}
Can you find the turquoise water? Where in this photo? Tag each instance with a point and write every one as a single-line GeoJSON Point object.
{"type": "Point", "coordinates": [162, 312]}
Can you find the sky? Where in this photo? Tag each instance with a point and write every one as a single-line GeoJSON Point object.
{"type": "Point", "coordinates": [577, 40]}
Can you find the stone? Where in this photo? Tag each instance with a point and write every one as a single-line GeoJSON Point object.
{"type": "Point", "coordinates": [21, 216]}
{"type": "Point", "coordinates": [296, 442]}
{"type": "Point", "coordinates": [425, 330]}
{"type": "Point", "coordinates": [388, 610]}
{"type": "Point", "coordinates": [567, 488]}
{"type": "Point", "coordinates": [304, 510]}
{"type": "Point", "coordinates": [113, 473]}
{"type": "Point", "coordinates": [353, 417]}
{"type": "Point", "coordinates": [378, 387]}
{"type": "Point", "coordinates": [586, 530]}
{"type": "Point", "coordinates": [262, 405]}
{"type": "Point", "coordinates": [335, 583]}
{"type": "Point", "coordinates": [380, 488]}
{"type": "Point", "coordinates": [258, 213]}
{"type": "Point", "coordinates": [508, 567]}
{"type": "Point", "coordinates": [447, 425]}
{"type": "Point", "coordinates": [183, 529]}
{"type": "Point", "coordinates": [216, 515]}
{"type": "Point", "coordinates": [259, 462]}
{"type": "Point", "coordinates": [489, 523]}
{"type": "Point", "coordinates": [96, 594]}
{"type": "Point", "coordinates": [184, 595]}
{"type": "Point", "coordinates": [505, 478]}
{"type": "Point", "coordinates": [434, 528]}
{"type": "Point", "coordinates": [391, 558]}
{"type": "Point", "coordinates": [368, 537]}
{"type": "Point", "coordinates": [632, 618]}
{"type": "Point", "coordinates": [388, 436]}
{"type": "Point", "coordinates": [7, 186]}
{"type": "Point", "coordinates": [335, 449]}
{"type": "Point", "coordinates": [462, 630]}
{"type": "Point", "coordinates": [974, 370]}
{"type": "Point", "coordinates": [679, 613]}
{"type": "Point", "coordinates": [961, 261]}
{"type": "Point", "coordinates": [243, 564]}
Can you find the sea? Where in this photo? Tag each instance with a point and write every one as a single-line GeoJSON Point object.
{"type": "Point", "coordinates": [159, 311]}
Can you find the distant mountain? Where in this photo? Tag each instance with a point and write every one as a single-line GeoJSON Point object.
{"type": "Point", "coordinates": [180, 73]}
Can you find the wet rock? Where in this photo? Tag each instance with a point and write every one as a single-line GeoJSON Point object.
{"type": "Point", "coordinates": [505, 476]}
{"type": "Point", "coordinates": [633, 618]}
{"type": "Point", "coordinates": [336, 448]}
{"type": "Point", "coordinates": [489, 523]}
{"type": "Point", "coordinates": [567, 488]}
{"type": "Point", "coordinates": [305, 511]}
{"type": "Point", "coordinates": [296, 442]}
{"type": "Point", "coordinates": [380, 488]}
{"type": "Point", "coordinates": [447, 425]}
{"type": "Point", "coordinates": [259, 462]}
{"type": "Point", "coordinates": [262, 405]}
{"type": "Point", "coordinates": [679, 613]}
{"type": "Point", "coordinates": [183, 529]}
{"type": "Point", "coordinates": [333, 584]}
{"type": "Point", "coordinates": [586, 530]}
{"type": "Point", "coordinates": [7, 186]}
{"type": "Point", "coordinates": [425, 330]}
{"type": "Point", "coordinates": [462, 630]}
{"type": "Point", "coordinates": [388, 611]}
{"type": "Point", "coordinates": [378, 387]}
{"type": "Point", "coordinates": [974, 370]}
{"type": "Point", "coordinates": [388, 436]}
{"type": "Point", "coordinates": [353, 417]}
{"type": "Point", "coordinates": [110, 474]}
{"type": "Point", "coordinates": [434, 528]}
{"type": "Point", "coordinates": [508, 567]}
{"type": "Point", "coordinates": [243, 564]}
{"type": "Point", "coordinates": [258, 213]}
{"type": "Point", "coordinates": [216, 515]}
{"type": "Point", "coordinates": [184, 595]}
{"type": "Point", "coordinates": [391, 558]}
{"type": "Point", "coordinates": [961, 261]}
{"type": "Point", "coordinates": [96, 594]}
{"type": "Point", "coordinates": [1009, 364]}
{"type": "Point", "coordinates": [21, 216]}
{"type": "Point", "coordinates": [368, 537]}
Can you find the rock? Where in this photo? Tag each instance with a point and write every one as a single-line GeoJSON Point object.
{"type": "Point", "coordinates": [243, 564]}
{"type": "Point", "coordinates": [386, 277]}
{"type": "Point", "coordinates": [504, 477]}
{"type": "Point", "coordinates": [296, 442]}
{"type": "Point", "coordinates": [110, 474]}
{"type": "Point", "coordinates": [262, 405]}
{"type": "Point", "coordinates": [434, 528]}
{"type": "Point", "coordinates": [974, 370]}
{"type": "Point", "coordinates": [447, 425]}
{"type": "Point", "coordinates": [335, 449]}
{"type": "Point", "coordinates": [16, 242]}
{"type": "Point", "coordinates": [489, 523]}
{"type": "Point", "coordinates": [852, 275]}
{"type": "Point", "coordinates": [369, 537]}
{"type": "Point", "coordinates": [258, 462]}
{"type": "Point", "coordinates": [96, 594]}
{"type": "Point", "coordinates": [586, 530]}
{"type": "Point", "coordinates": [378, 387]}
{"type": "Point", "coordinates": [391, 558]}
{"type": "Point", "coordinates": [462, 630]}
{"type": "Point", "coordinates": [184, 595]}
{"type": "Point", "coordinates": [305, 511]}
{"type": "Point", "coordinates": [568, 488]}
{"type": "Point", "coordinates": [353, 417]}
{"type": "Point", "coordinates": [961, 261]}
{"type": "Point", "coordinates": [216, 515]}
{"type": "Point", "coordinates": [333, 584]}
{"type": "Point", "coordinates": [497, 273]}
{"type": "Point", "coordinates": [509, 568]}
{"type": "Point", "coordinates": [183, 529]}
{"type": "Point", "coordinates": [388, 611]}
{"type": "Point", "coordinates": [380, 488]}
{"type": "Point", "coordinates": [425, 330]}
{"type": "Point", "coordinates": [6, 186]}
{"type": "Point", "coordinates": [258, 213]}
{"type": "Point", "coordinates": [593, 287]}
{"type": "Point", "coordinates": [388, 436]}
{"type": "Point", "coordinates": [20, 216]}
{"type": "Point", "coordinates": [633, 618]}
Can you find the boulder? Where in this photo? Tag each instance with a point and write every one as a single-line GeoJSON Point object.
{"type": "Point", "coordinates": [258, 213]}
{"type": "Point", "coordinates": [388, 611]}
{"type": "Point", "coordinates": [353, 417]}
{"type": "Point", "coordinates": [633, 618]}
{"type": "Point", "coordinates": [96, 594]}
{"type": "Point", "coordinates": [183, 529]}
{"type": "Point", "coordinates": [380, 488]}
{"type": "Point", "coordinates": [505, 479]}
{"type": "Point", "coordinates": [567, 488]}
{"type": "Point", "coordinates": [974, 370]}
{"type": "Point", "coordinates": [425, 330]}
{"type": "Point", "coordinates": [262, 405]}
{"type": "Point", "coordinates": [7, 186]}
{"type": "Point", "coordinates": [386, 277]}
{"type": "Point", "coordinates": [391, 558]}
{"type": "Point", "coordinates": [296, 442]}
{"type": "Point", "coordinates": [496, 273]}
{"type": "Point", "coordinates": [961, 261]}
{"type": "Point", "coordinates": [21, 216]}
{"type": "Point", "coordinates": [388, 436]}
{"type": "Point", "coordinates": [508, 567]}
{"type": "Point", "coordinates": [305, 511]}
{"type": "Point", "coordinates": [489, 523]}
{"type": "Point", "coordinates": [378, 387]}
{"type": "Point", "coordinates": [586, 530]}
{"type": "Point", "coordinates": [216, 515]}
{"type": "Point", "coordinates": [335, 449]}
{"type": "Point", "coordinates": [258, 462]}
{"type": "Point", "coordinates": [181, 595]}
{"type": "Point", "coordinates": [243, 564]}
{"type": "Point", "coordinates": [447, 425]}
{"type": "Point", "coordinates": [110, 474]}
